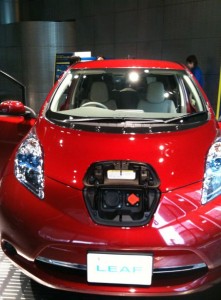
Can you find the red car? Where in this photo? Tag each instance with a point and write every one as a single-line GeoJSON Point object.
{"type": "Point", "coordinates": [116, 188]}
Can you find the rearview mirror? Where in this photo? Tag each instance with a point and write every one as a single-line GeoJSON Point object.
{"type": "Point", "coordinates": [12, 107]}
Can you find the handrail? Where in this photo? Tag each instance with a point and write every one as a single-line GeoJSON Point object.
{"type": "Point", "coordinates": [18, 83]}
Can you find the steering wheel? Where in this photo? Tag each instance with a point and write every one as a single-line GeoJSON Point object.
{"type": "Point", "coordinates": [94, 104]}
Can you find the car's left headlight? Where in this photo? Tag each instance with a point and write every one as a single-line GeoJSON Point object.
{"type": "Point", "coordinates": [29, 164]}
{"type": "Point", "coordinates": [212, 177]}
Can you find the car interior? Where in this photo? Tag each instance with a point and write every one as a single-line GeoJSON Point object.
{"type": "Point", "coordinates": [138, 91]}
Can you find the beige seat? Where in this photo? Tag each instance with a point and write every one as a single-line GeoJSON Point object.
{"type": "Point", "coordinates": [99, 93]}
{"type": "Point", "coordinates": [155, 100]}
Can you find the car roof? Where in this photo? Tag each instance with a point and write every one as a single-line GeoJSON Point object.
{"type": "Point", "coordinates": [129, 63]}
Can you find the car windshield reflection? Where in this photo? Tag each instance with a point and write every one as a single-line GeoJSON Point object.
{"type": "Point", "coordinates": [126, 93]}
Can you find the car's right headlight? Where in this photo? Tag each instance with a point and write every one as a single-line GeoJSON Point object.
{"type": "Point", "coordinates": [29, 164]}
{"type": "Point", "coordinates": [212, 177]}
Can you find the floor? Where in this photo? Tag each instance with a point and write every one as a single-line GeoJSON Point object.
{"type": "Point", "coordinates": [14, 285]}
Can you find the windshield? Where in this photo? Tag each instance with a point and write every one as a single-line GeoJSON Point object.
{"type": "Point", "coordinates": [137, 94]}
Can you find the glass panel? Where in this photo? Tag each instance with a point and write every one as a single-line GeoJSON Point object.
{"type": "Point", "coordinates": [116, 93]}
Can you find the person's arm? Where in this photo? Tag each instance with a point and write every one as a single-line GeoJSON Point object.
{"type": "Point", "coordinates": [199, 76]}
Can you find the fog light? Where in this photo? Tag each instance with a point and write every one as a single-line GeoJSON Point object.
{"type": "Point", "coordinates": [8, 248]}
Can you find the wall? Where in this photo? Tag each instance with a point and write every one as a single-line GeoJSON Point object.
{"type": "Point", "coordinates": [40, 41]}
{"type": "Point", "coordinates": [9, 11]}
{"type": "Point", "coordinates": [156, 29]}
{"type": "Point", "coordinates": [27, 52]}
{"type": "Point", "coordinates": [170, 29]}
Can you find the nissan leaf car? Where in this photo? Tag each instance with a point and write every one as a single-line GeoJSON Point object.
{"type": "Point", "coordinates": [116, 187]}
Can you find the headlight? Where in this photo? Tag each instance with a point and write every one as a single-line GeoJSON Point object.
{"type": "Point", "coordinates": [29, 165]}
{"type": "Point", "coordinates": [212, 177]}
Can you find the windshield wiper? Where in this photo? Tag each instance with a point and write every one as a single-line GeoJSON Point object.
{"type": "Point", "coordinates": [79, 120]}
{"type": "Point", "coordinates": [188, 117]}
{"type": "Point", "coordinates": [108, 119]}
{"type": "Point", "coordinates": [133, 120]}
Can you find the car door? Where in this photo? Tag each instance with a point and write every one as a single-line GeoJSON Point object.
{"type": "Point", "coordinates": [15, 118]}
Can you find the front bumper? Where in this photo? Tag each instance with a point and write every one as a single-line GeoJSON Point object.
{"type": "Point", "coordinates": [182, 234]}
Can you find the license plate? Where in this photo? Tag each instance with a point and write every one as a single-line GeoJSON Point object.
{"type": "Point", "coordinates": [121, 174]}
{"type": "Point", "coordinates": [119, 268]}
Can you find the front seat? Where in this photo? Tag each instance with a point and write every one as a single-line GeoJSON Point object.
{"type": "Point", "coordinates": [99, 93]}
{"type": "Point", "coordinates": [155, 101]}
{"type": "Point", "coordinates": [128, 99]}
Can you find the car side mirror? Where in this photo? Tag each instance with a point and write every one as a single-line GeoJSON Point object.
{"type": "Point", "coordinates": [12, 107]}
{"type": "Point", "coordinates": [16, 108]}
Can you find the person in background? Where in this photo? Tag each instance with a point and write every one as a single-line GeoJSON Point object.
{"type": "Point", "coordinates": [74, 59]}
{"type": "Point", "coordinates": [100, 58]}
{"type": "Point", "coordinates": [192, 64]}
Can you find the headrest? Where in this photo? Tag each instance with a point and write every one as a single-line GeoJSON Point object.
{"type": "Point", "coordinates": [99, 92]}
{"type": "Point", "coordinates": [155, 92]}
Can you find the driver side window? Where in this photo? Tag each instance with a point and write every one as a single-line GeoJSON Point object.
{"type": "Point", "coordinates": [194, 103]}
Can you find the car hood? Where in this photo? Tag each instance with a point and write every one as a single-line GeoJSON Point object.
{"type": "Point", "coordinates": [178, 158]}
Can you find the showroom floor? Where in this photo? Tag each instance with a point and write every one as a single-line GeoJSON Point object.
{"type": "Point", "coordinates": [14, 285]}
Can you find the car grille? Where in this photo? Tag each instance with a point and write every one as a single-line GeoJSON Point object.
{"type": "Point", "coordinates": [162, 276]}
{"type": "Point", "coordinates": [81, 267]}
